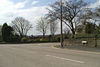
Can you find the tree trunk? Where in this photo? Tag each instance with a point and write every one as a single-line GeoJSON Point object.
{"type": "Point", "coordinates": [73, 33]}
{"type": "Point", "coordinates": [73, 30]}
{"type": "Point", "coordinates": [43, 35]}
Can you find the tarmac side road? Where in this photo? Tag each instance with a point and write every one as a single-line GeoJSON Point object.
{"type": "Point", "coordinates": [44, 55]}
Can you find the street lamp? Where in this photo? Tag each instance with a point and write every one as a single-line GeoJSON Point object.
{"type": "Point", "coordinates": [61, 36]}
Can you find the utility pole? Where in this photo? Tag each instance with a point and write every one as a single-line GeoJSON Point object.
{"type": "Point", "coordinates": [61, 36]}
{"type": "Point", "coordinates": [95, 34]}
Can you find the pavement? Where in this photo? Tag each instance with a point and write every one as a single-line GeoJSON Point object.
{"type": "Point", "coordinates": [45, 55]}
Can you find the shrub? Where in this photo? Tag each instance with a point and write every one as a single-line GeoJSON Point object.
{"type": "Point", "coordinates": [30, 40]}
{"type": "Point", "coordinates": [66, 37]}
{"type": "Point", "coordinates": [13, 39]}
{"type": "Point", "coordinates": [1, 38]}
{"type": "Point", "coordinates": [36, 40]}
{"type": "Point", "coordinates": [58, 38]}
{"type": "Point", "coordinates": [24, 39]}
{"type": "Point", "coordinates": [41, 39]}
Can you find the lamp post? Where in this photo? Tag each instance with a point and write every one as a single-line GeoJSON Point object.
{"type": "Point", "coordinates": [61, 36]}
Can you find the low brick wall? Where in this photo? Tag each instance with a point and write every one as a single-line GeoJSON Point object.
{"type": "Point", "coordinates": [78, 42]}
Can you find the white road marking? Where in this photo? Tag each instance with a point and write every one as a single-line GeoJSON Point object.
{"type": "Point", "coordinates": [77, 50]}
{"type": "Point", "coordinates": [66, 59]}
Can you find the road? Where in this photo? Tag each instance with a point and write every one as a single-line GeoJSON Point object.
{"type": "Point", "coordinates": [44, 55]}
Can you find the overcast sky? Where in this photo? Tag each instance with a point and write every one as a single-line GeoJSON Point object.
{"type": "Point", "coordinates": [29, 9]}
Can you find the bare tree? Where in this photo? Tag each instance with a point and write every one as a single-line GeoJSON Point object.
{"type": "Point", "coordinates": [66, 31]}
{"type": "Point", "coordinates": [96, 14]}
{"type": "Point", "coordinates": [42, 26]}
{"type": "Point", "coordinates": [21, 26]}
{"type": "Point", "coordinates": [70, 9]}
{"type": "Point", "coordinates": [53, 27]}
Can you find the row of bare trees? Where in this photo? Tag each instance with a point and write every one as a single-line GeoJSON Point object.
{"type": "Point", "coordinates": [71, 10]}
{"type": "Point", "coordinates": [74, 13]}
{"type": "Point", "coordinates": [21, 26]}
{"type": "Point", "coordinates": [43, 25]}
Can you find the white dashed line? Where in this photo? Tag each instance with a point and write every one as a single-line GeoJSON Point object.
{"type": "Point", "coordinates": [66, 59]}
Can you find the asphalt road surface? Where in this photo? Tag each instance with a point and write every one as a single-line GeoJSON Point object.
{"type": "Point", "coordinates": [44, 55]}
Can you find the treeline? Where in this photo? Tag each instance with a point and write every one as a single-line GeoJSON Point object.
{"type": "Point", "coordinates": [77, 18]}
{"type": "Point", "coordinates": [16, 31]}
